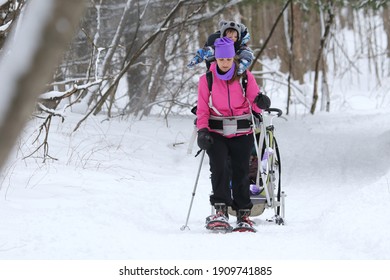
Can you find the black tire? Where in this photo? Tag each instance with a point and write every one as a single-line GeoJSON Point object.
{"type": "Point", "coordinates": [276, 173]}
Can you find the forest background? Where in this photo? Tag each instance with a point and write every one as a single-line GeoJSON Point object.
{"type": "Point", "coordinates": [123, 85]}
{"type": "Point", "coordinates": [129, 57]}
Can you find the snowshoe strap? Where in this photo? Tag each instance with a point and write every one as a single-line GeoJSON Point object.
{"type": "Point", "coordinates": [244, 227]}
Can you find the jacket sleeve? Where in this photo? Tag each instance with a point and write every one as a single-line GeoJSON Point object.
{"type": "Point", "coordinates": [203, 110]}
{"type": "Point", "coordinates": [252, 91]}
{"type": "Point", "coordinates": [245, 36]}
{"type": "Point", "coordinates": [245, 53]}
{"type": "Point", "coordinates": [245, 56]}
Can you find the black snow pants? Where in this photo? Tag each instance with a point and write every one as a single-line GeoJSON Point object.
{"type": "Point", "coordinates": [229, 166]}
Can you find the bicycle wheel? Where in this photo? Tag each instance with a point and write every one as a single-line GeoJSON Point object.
{"type": "Point", "coordinates": [275, 184]}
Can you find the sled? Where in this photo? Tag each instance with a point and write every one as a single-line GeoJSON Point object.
{"type": "Point", "coordinates": [271, 194]}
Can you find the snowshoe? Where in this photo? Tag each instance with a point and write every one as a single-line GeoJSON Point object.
{"type": "Point", "coordinates": [244, 224]}
{"type": "Point", "coordinates": [220, 221]}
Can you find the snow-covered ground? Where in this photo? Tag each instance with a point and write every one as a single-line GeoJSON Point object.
{"type": "Point", "coordinates": [121, 189]}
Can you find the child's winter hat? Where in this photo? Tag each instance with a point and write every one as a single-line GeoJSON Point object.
{"type": "Point", "coordinates": [223, 24]}
{"type": "Point", "coordinates": [224, 48]}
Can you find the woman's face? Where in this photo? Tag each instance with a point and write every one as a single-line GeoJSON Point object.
{"type": "Point", "coordinates": [225, 63]}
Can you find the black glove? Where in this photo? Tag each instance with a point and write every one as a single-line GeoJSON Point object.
{"type": "Point", "coordinates": [262, 101]}
{"type": "Point", "coordinates": [204, 139]}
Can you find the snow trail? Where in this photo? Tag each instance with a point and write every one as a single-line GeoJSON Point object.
{"type": "Point", "coordinates": [121, 190]}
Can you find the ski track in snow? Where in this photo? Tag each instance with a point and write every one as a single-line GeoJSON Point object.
{"type": "Point", "coordinates": [121, 190]}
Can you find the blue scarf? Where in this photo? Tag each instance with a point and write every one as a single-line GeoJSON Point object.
{"type": "Point", "coordinates": [228, 75]}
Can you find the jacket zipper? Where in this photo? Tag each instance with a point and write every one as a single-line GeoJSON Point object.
{"type": "Point", "coordinates": [230, 107]}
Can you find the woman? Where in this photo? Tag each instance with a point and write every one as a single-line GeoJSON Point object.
{"type": "Point", "coordinates": [225, 132]}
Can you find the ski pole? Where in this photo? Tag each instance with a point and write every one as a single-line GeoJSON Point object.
{"type": "Point", "coordinates": [193, 192]}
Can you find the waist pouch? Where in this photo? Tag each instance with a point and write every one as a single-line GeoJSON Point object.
{"type": "Point", "coordinates": [231, 125]}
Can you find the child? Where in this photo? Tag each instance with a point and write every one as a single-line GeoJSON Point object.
{"type": "Point", "coordinates": [240, 36]}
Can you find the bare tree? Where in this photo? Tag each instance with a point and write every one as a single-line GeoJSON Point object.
{"type": "Point", "coordinates": [329, 22]}
{"type": "Point", "coordinates": [150, 47]}
{"type": "Point", "coordinates": [24, 86]}
{"type": "Point", "coordinates": [280, 16]}
{"type": "Point", "coordinates": [290, 40]}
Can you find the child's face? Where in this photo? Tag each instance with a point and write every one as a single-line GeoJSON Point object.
{"type": "Point", "coordinates": [232, 34]}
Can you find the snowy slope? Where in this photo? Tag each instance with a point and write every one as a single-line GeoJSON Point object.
{"type": "Point", "coordinates": [121, 190]}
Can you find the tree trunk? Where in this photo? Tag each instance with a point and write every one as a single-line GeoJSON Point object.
{"type": "Point", "coordinates": [319, 55]}
{"type": "Point", "coordinates": [24, 85]}
{"type": "Point", "coordinates": [290, 37]}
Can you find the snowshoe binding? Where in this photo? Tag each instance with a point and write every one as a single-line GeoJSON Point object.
{"type": "Point", "coordinates": [244, 224]}
{"type": "Point", "coordinates": [220, 221]}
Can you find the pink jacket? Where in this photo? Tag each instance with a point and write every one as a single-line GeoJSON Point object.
{"type": "Point", "coordinates": [227, 98]}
